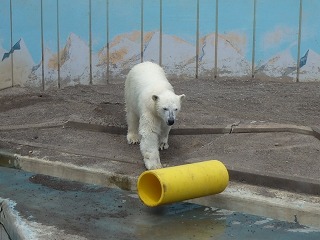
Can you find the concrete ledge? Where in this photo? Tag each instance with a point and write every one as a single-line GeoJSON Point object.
{"type": "Point", "coordinates": [68, 171]}
{"type": "Point", "coordinates": [123, 131]}
{"type": "Point", "coordinates": [263, 128]}
{"type": "Point", "coordinates": [95, 127]}
{"type": "Point", "coordinates": [232, 128]}
{"type": "Point", "coordinates": [123, 181]}
{"type": "Point", "coordinates": [10, 220]}
{"type": "Point", "coordinates": [35, 125]}
{"type": "Point", "coordinates": [276, 181]}
{"type": "Point", "coordinates": [258, 200]}
{"type": "Point", "coordinates": [261, 201]}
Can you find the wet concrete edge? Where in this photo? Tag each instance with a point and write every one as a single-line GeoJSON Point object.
{"type": "Point", "coordinates": [125, 182]}
{"type": "Point", "coordinates": [230, 199]}
{"type": "Point", "coordinates": [10, 221]}
{"type": "Point", "coordinates": [288, 183]}
{"type": "Point", "coordinates": [67, 171]}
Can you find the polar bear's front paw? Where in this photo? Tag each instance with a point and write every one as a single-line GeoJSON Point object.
{"type": "Point", "coordinates": [133, 138]}
{"type": "Point", "coordinates": [152, 163]}
{"type": "Point", "coordinates": [163, 145]}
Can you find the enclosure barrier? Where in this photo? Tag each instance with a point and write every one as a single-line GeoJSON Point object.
{"type": "Point", "coordinates": [174, 184]}
{"type": "Point", "coordinates": [103, 39]}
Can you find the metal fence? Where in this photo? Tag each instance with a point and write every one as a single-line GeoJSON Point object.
{"type": "Point", "coordinates": [52, 43]}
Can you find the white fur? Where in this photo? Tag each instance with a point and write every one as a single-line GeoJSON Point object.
{"type": "Point", "coordinates": [152, 107]}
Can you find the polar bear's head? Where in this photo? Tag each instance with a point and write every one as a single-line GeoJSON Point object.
{"type": "Point", "coordinates": [168, 105]}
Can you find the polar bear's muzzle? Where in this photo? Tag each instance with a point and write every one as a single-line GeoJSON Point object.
{"type": "Point", "coordinates": [170, 118]}
{"type": "Point", "coordinates": [170, 122]}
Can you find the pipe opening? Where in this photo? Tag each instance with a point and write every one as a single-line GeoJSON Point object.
{"type": "Point", "coordinates": [150, 189]}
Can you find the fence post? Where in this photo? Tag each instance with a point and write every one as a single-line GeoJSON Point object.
{"type": "Point", "coordinates": [216, 42]}
{"type": "Point", "coordinates": [299, 41]}
{"type": "Point", "coordinates": [254, 38]}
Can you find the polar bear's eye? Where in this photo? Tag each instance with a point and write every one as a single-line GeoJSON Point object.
{"type": "Point", "coordinates": [176, 109]}
{"type": "Point", "coordinates": [165, 109]}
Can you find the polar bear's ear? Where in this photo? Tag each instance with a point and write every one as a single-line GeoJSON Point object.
{"type": "Point", "coordinates": [182, 96]}
{"type": "Point", "coordinates": [155, 98]}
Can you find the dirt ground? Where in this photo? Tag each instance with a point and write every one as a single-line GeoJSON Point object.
{"type": "Point", "coordinates": [208, 102]}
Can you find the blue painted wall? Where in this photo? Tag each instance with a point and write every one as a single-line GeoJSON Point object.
{"type": "Point", "coordinates": [58, 43]}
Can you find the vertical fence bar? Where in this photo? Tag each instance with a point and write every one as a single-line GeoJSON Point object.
{"type": "Point", "coordinates": [254, 39]}
{"type": "Point", "coordinates": [216, 42]}
{"type": "Point", "coordinates": [197, 40]}
{"type": "Point", "coordinates": [42, 49]}
{"type": "Point", "coordinates": [11, 42]}
{"type": "Point", "coordinates": [160, 36]}
{"type": "Point", "coordinates": [299, 41]}
{"type": "Point", "coordinates": [141, 32]}
{"type": "Point", "coordinates": [90, 43]}
{"type": "Point", "coordinates": [107, 26]}
{"type": "Point", "coordinates": [58, 45]}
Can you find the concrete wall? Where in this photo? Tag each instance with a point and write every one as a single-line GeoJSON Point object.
{"type": "Point", "coordinates": [52, 43]}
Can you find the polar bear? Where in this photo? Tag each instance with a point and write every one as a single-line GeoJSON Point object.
{"type": "Point", "coordinates": [151, 110]}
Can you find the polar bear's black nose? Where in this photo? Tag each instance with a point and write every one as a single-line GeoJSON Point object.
{"type": "Point", "coordinates": [170, 122]}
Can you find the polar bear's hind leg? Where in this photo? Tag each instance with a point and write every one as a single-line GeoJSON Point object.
{"type": "Point", "coordinates": [133, 136]}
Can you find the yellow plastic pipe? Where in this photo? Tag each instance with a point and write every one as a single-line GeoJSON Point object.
{"type": "Point", "coordinates": [174, 184]}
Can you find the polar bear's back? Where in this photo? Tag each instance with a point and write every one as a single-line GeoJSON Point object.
{"type": "Point", "coordinates": [147, 74]}
{"type": "Point", "coordinates": [143, 81]}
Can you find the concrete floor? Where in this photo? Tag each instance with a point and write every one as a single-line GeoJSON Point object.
{"type": "Point", "coordinates": [44, 207]}
{"type": "Point", "coordinates": [268, 136]}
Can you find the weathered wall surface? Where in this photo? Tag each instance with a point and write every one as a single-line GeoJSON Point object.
{"type": "Point", "coordinates": [52, 43]}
